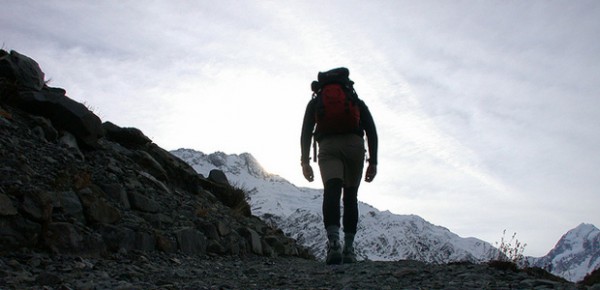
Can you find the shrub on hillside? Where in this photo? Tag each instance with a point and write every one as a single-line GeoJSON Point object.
{"type": "Point", "coordinates": [234, 197]}
{"type": "Point", "coordinates": [511, 251]}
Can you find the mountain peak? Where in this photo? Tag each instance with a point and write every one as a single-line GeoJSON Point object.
{"type": "Point", "coordinates": [585, 228]}
{"type": "Point", "coordinates": [237, 164]}
{"type": "Point", "coordinates": [576, 253]}
{"type": "Point", "coordinates": [580, 236]}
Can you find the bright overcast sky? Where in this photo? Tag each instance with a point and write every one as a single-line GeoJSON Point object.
{"type": "Point", "coordinates": [487, 111]}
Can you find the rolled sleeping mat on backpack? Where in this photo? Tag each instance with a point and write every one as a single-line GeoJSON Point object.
{"type": "Point", "coordinates": [336, 75]}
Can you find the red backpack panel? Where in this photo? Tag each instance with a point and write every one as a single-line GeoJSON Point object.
{"type": "Point", "coordinates": [336, 112]}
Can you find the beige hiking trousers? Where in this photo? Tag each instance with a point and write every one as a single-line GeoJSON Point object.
{"type": "Point", "coordinates": [343, 157]}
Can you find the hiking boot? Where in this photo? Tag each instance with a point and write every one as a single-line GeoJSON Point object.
{"type": "Point", "coordinates": [334, 253]}
{"type": "Point", "coordinates": [349, 256]}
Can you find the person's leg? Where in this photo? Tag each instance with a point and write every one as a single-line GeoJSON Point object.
{"type": "Point", "coordinates": [332, 174]}
{"type": "Point", "coordinates": [350, 209]}
{"type": "Point", "coordinates": [331, 202]}
{"type": "Point", "coordinates": [354, 158]}
{"type": "Point", "coordinates": [331, 219]}
{"type": "Point", "coordinates": [350, 222]}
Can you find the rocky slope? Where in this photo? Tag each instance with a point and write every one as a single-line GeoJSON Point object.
{"type": "Point", "coordinates": [71, 184]}
{"type": "Point", "coordinates": [136, 271]}
{"type": "Point", "coordinates": [91, 205]}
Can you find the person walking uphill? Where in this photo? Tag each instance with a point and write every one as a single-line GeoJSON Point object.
{"type": "Point", "coordinates": [338, 121]}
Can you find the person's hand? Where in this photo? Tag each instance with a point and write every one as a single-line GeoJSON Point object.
{"type": "Point", "coordinates": [308, 172]}
{"type": "Point", "coordinates": [371, 172]}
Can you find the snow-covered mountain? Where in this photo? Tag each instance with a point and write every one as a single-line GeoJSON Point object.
{"type": "Point", "coordinates": [576, 254]}
{"type": "Point", "coordinates": [382, 235]}
{"type": "Point", "coordinates": [297, 211]}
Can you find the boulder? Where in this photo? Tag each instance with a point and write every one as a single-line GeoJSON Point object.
{"type": "Point", "coordinates": [144, 242]}
{"type": "Point", "coordinates": [253, 240]}
{"type": "Point", "coordinates": [131, 138]}
{"type": "Point", "coordinates": [45, 126]}
{"type": "Point", "coordinates": [64, 113]}
{"type": "Point", "coordinates": [215, 247]}
{"type": "Point", "coordinates": [96, 209]}
{"type": "Point", "coordinates": [38, 205]}
{"type": "Point", "coordinates": [17, 232]}
{"type": "Point", "coordinates": [191, 241]}
{"type": "Point", "coordinates": [209, 230]}
{"type": "Point", "coordinates": [165, 244]}
{"type": "Point", "coordinates": [143, 203]}
{"type": "Point", "coordinates": [276, 244]}
{"type": "Point", "coordinates": [68, 238]}
{"type": "Point", "coordinates": [63, 237]}
{"type": "Point", "coordinates": [22, 69]}
{"type": "Point", "coordinates": [69, 141]}
{"type": "Point", "coordinates": [117, 193]}
{"type": "Point", "coordinates": [102, 212]}
{"type": "Point", "coordinates": [178, 172]}
{"type": "Point", "coordinates": [150, 165]}
{"type": "Point", "coordinates": [71, 205]}
{"type": "Point", "coordinates": [218, 177]}
{"type": "Point", "coordinates": [117, 238]}
{"type": "Point", "coordinates": [222, 228]}
{"type": "Point", "coordinates": [6, 206]}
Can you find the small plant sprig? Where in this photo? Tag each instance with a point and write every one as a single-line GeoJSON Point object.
{"type": "Point", "coordinates": [511, 250]}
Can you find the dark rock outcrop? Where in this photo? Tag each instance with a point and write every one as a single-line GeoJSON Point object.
{"type": "Point", "coordinates": [131, 138]}
{"type": "Point", "coordinates": [64, 113]}
{"type": "Point", "coordinates": [35, 97]}
{"type": "Point", "coordinates": [22, 69]}
{"type": "Point", "coordinates": [113, 191]}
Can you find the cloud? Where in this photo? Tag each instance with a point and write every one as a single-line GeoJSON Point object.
{"type": "Point", "coordinates": [486, 110]}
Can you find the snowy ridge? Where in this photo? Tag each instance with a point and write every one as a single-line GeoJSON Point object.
{"type": "Point", "coordinates": [576, 254]}
{"type": "Point", "coordinates": [297, 211]}
{"type": "Point", "coordinates": [382, 235]}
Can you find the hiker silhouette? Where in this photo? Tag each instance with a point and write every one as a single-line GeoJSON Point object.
{"type": "Point", "coordinates": [337, 120]}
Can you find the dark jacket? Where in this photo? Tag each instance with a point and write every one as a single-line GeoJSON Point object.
{"type": "Point", "coordinates": [366, 125]}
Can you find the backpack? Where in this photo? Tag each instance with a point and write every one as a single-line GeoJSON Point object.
{"type": "Point", "coordinates": [337, 102]}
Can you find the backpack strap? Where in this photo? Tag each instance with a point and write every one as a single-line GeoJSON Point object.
{"type": "Point", "coordinates": [314, 149]}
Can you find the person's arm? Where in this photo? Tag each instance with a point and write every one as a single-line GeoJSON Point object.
{"type": "Point", "coordinates": [368, 125]}
{"type": "Point", "coordinates": [308, 125]}
{"type": "Point", "coordinates": [372, 141]}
